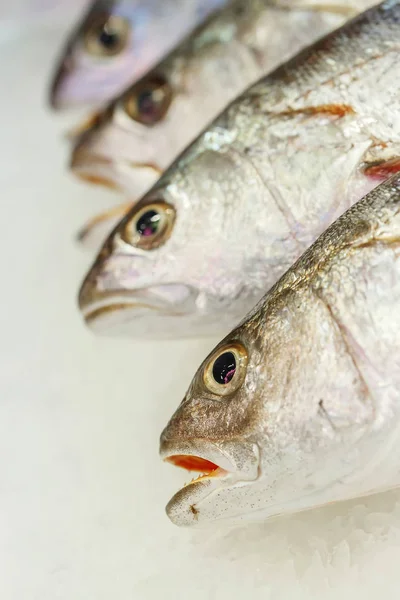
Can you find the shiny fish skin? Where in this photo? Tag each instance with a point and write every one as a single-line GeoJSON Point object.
{"type": "Point", "coordinates": [317, 416]}
{"type": "Point", "coordinates": [232, 50]}
{"type": "Point", "coordinates": [257, 187]}
{"type": "Point", "coordinates": [155, 26]}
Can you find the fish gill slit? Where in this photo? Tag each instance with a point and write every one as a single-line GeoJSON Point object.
{"type": "Point", "coordinates": [280, 204]}
{"type": "Point", "coordinates": [349, 343]}
{"type": "Point", "coordinates": [322, 410]}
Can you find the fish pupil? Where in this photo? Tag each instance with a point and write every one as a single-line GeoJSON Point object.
{"type": "Point", "coordinates": [224, 368]}
{"type": "Point", "coordinates": [108, 38]}
{"type": "Point", "coordinates": [147, 104]}
{"type": "Point", "coordinates": [148, 223]}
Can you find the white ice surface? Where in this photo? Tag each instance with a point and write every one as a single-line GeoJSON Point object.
{"type": "Point", "coordinates": [82, 491]}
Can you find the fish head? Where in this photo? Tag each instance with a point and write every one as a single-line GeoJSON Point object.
{"type": "Point", "coordinates": [130, 143]}
{"type": "Point", "coordinates": [268, 419]}
{"type": "Point", "coordinates": [103, 55]}
{"type": "Point", "coordinates": [184, 260]}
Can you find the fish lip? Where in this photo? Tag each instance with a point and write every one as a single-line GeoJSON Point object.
{"type": "Point", "coordinates": [184, 507]}
{"type": "Point", "coordinates": [200, 448]}
{"type": "Point", "coordinates": [92, 167]}
{"type": "Point", "coordinates": [124, 300]}
{"type": "Point", "coordinates": [92, 315]}
{"type": "Point", "coordinates": [108, 304]}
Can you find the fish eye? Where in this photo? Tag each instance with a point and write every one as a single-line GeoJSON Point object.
{"type": "Point", "coordinates": [150, 226]}
{"type": "Point", "coordinates": [149, 101]}
{"type": "Point", "coordinates": [225, 371]}
{"type": "Point", "coordinates": [107, 36]}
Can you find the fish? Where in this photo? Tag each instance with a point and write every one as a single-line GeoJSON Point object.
{"type": "Point", "coordinates": [116, 42]}
{"type": "Point", "coordinates": [129, 144]}
{"type": "Point", "coordinates": [255, 189]}
{"type": "Point", "coordinates": [299, 406]}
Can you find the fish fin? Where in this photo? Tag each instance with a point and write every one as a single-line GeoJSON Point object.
{"type": "Point", "coordinates": [383, 169]}
{"type": "Point", "coordinates": [93, 232]}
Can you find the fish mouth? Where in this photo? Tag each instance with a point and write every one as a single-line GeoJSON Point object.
{"type": "Point", "coordinates": [97, 312]}
{"type": "Point", "coordinates": [121, 175]}
{"type": "Point", "coordinates": [111, 311]}
{"type": "Point", "coordinates": [218, 469]}
{"type": "Point", "coordinates": [93, 168]}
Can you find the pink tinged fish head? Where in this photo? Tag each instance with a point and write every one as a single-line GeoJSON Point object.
{"type": "Point", "coordinates": [287, 418]}
{"type": "Point", "coordinates": [103, 55]}
{"type": "Point", "coordinates": [128, 144]}
{"type": "Point", "coordinates": [188, 243]}
{"type": "Point", "coordinates": [118, 42]}
{"type": "Point", "coordinates": [120, 293]}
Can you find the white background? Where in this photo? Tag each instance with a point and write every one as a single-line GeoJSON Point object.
{"type": "Point", "coordinates": [82, 491]}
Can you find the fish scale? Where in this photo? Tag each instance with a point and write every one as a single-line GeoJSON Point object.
{"type": "Point", "coordinates": [318, 397]}
{"type": "Point", "coordinates": [259, 185]}
{"type": "Point", "coordinates": [202, 75]}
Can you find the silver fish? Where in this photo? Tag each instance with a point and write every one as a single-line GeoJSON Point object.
{"type": "Point", "coordinates": [117, 42]}
{"type": "Point", "coordinates": [299, 405]}
{"type": "Point", "coordinates": [256, 188]}
{"type": "Point", "coordinates": [131, 142]}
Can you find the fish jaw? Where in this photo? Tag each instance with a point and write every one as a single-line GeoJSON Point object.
{"type": "Point", "coordinates": [112, 150]}
{"type": "Point", "coordinates": [134, 179]}
{"type": "Point", "coordinates": [224, 467]}
{"type": "Point", "coordinates": [169, 311]}
{"type": "Point", "coordinates": [144, 313]}
{"type": "Point", "coordinates": [136, 310]}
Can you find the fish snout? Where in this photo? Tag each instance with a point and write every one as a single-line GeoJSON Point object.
{"type": "Point", "coordinates": [95, 285]}
{"type": "Point", "coordinates": [56, 94]}
{"type": "Point", "coordinates": [221, 465]}
{"type": "Point", "coordinates": [91, 167]}
{"type": "Point", "coordinates": [88, 293]}
{"type": "Point", "coordinates": [117, 297]}
{"type": "Point", "coordinates": [88, 159]}
{"type": "Point", "coordinates": [95, 161]}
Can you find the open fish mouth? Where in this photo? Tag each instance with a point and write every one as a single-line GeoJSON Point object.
{"type": "Point", "coordinates": [216, 469]}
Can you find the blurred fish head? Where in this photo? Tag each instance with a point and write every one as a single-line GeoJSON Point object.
{"type": "Point", "coordinates": [130, 143]}
{"type": "Point", "coordinates": [264, 420]}
{"type": "Point", "coordinates": [97, 61]}
{"type": "Point", "coordinates": [184, 261]}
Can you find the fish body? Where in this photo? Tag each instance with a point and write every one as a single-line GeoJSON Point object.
{"type": "Point", "coordinates": [311, 413]}
{"type": "Point", "coordinates": [138, 135]}
{"type": "Point", "coordinates": [258, 186]}
{"type": "Point", "coordinates": [117, 42]}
